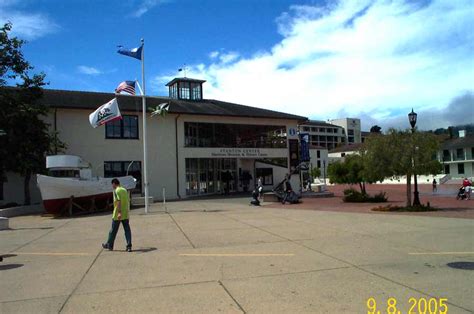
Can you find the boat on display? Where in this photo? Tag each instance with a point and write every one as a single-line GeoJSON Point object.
{"type": "Point", "coordinates": [71, 184]}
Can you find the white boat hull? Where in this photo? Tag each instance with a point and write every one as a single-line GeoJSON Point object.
{"type": "Point", "coordinates": [56, 192]}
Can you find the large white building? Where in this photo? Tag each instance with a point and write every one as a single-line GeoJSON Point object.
{"type": "Point", "coordinates": [190, 150]}
{"type": "Point", "coordinates": [324, 134]}
{"type": "Point", "coordinates": [457, 156]}
{"type": "Point", "coordinates": [352, 129]}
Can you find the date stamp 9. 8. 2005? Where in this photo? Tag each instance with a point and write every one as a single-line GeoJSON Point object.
{"type": "Point", "coordinates": [416, 306]}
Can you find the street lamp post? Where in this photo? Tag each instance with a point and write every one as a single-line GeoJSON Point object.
{"type": "Point", "coordinates": [324, 171]}
{"type": "Point", "coordinates": [412, 118]}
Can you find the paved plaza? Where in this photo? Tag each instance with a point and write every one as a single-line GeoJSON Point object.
{"type": "Point", "coordinates": [224, 256]}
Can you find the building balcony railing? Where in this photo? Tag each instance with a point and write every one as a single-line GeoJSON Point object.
{"type": "Point", "coordinates": [446, 158]}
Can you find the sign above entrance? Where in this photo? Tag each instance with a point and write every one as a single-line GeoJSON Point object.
{"type": "Point", "coordinates": [240, 152]}
{"type": "Point", "coordinates": [233, 152]}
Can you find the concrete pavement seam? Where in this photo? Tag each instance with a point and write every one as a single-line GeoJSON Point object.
{"type": "Point", "coordinates": [353, 265]}
{"type": "Point", "coordinates": [290, 273]}
{"type": "Point", "coordinates": [149, 287]}
{"type": "Point", "coordinates": [38, 298]}
{"type": "Point", "coordinates": [185, 235]}
{"type": "Point", "coordinates": [80, 281]}
{"type": "Point", "coordinates": [232, 297]}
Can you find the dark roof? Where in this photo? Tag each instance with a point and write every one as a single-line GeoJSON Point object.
{"type": "Point", "coordinates": [319, 123]}
{"type": "Point", "coordinates": [92, 100]}
{"type": "Point", "coordinates": [460, 142]}
{"type": "Point", "coordinates": [346, 148]}
{"type": "Point", "coordinates": [184, 79]}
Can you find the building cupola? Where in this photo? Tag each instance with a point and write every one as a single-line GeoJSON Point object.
{"type": "Point", "coordinates": [185, 88]}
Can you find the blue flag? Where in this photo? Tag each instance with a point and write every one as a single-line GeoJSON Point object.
{"type": "Point", "coordinates": [134, 53]}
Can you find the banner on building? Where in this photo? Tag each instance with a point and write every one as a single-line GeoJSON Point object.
{"type": "Point", "coordinates": [304, 144]}
{"type": "Point", "coordinates": [105, 113]}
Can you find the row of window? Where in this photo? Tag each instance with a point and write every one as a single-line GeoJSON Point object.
{"type": "Point", "coordinates": [126, 128]}
{"type": "Point", "coordinates": [460, 154]}
{"type": "Point", "coordinates": [460, 168]}
{"type": "Point", "coordinates": [323, 138]}
{"type": "Point", "coordinates": [233, 135]}
{"type": "Point", "coordinates": [322, 130]}
{"type": "Point", "coordinates": [208, 134]}
{"type": "Point", "coordinates": [186, 90]}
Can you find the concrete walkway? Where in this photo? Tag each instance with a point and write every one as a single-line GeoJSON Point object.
{"type": "Point", "coordinates": [224, 256]}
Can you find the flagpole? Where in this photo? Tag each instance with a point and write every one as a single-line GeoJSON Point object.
{"type": "Point", "coordinates": [145, 173]}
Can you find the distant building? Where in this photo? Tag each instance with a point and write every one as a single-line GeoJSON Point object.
{"type": "Point", "coordinates": [201, 147]}
{"type": "Point", "coordinates": [323, 134]}
{"type": "Point", "coordinates": [352, 128]}
{"type": "Point", "coordinates": [364, 135]}
{"type": "Point", "coordinates": [338, 153]}
{"type": "Point", "coordinates": [457, 156]}
{"type": "Point", "coordinates": [319, 158]}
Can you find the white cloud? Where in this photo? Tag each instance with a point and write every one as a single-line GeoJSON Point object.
{"type": "Point", "coordinates": [214, 54]}
{"type": "Point", "coordinates": [26, 25]}
{"type": "Point", "coordinates": [83, 69]}
{"type": "Point", "coordinates": [147, 5]}
{"type": "Point", "coordinates": [377, 58]}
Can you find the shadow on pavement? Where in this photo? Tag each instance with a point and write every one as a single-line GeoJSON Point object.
{"type": "Point", "coordinates": [140, 250]}
{"type": "Point", "coordinates": [10, 266]}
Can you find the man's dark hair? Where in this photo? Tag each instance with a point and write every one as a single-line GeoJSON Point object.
{"type": "Point", "coordinates": [115, 181]}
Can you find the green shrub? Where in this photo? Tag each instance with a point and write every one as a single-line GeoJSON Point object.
{"type": "Point", "coordinates": [378, 198]}
{"type": "Point", "coordinates": [353, 196]}
{"type": "Point", "coordinates": [390, 208]}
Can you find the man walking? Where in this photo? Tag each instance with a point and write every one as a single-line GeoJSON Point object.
{"type": "Point", "coordinates": [120, 214]}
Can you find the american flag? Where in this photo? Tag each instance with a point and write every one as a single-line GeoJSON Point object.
{"type": "Point", "coordinates": [127, 87]}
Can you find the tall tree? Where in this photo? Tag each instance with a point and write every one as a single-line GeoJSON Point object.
{"type": "Point", "coordinates": [353, 170]}
{"type": "Point", "coordinates": [403, 153]}
{"type": "Point", "coordinates": [26, 138]}
{"type": "Point", "coordinates": [375, 129]}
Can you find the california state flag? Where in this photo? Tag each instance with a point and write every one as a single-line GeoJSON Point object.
{"type": "Point", "coordinates": [105, 113]}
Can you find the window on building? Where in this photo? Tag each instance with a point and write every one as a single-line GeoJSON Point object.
{"type": "Point", "coordinates": [350, 139]}
{"type": "Point", "coordinates": [115, 169]}
{"type": "Point", "coordinates": [460, 154]}
{"type": "Point", "coordinates": [318, 153]}
{"type": "Point", "coordinates": [233, 135]}
{"type": "Point", "coordinates": [350, 132]}
{"type": "Point", "coordinates": [306, 129]}
{"type": "Point", "coordinates": [446, 169]}
{"type": "Point", "coordinates": [126, 128]}
{"type": "Point", "coordinates": [314, 129]}
{"type": "Point", "coordinates": [174, 91]}
{"type": "Point", "coordinates": [319, 164]}
{"type": "Point", "coordinates": [266, 174]}
{"type": "Point", "coordinates": [196, 91]}
{"type": "Point", "coordinates": [472, 153]}
{"type": "Point", "coordinates": [184, 90]}
{"type": "Point", "coordinates": [210, 175]}
{"type": "Point", "coordinates": [446, 155]}
{"type": "Point", "coordinates": [460, 168]}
